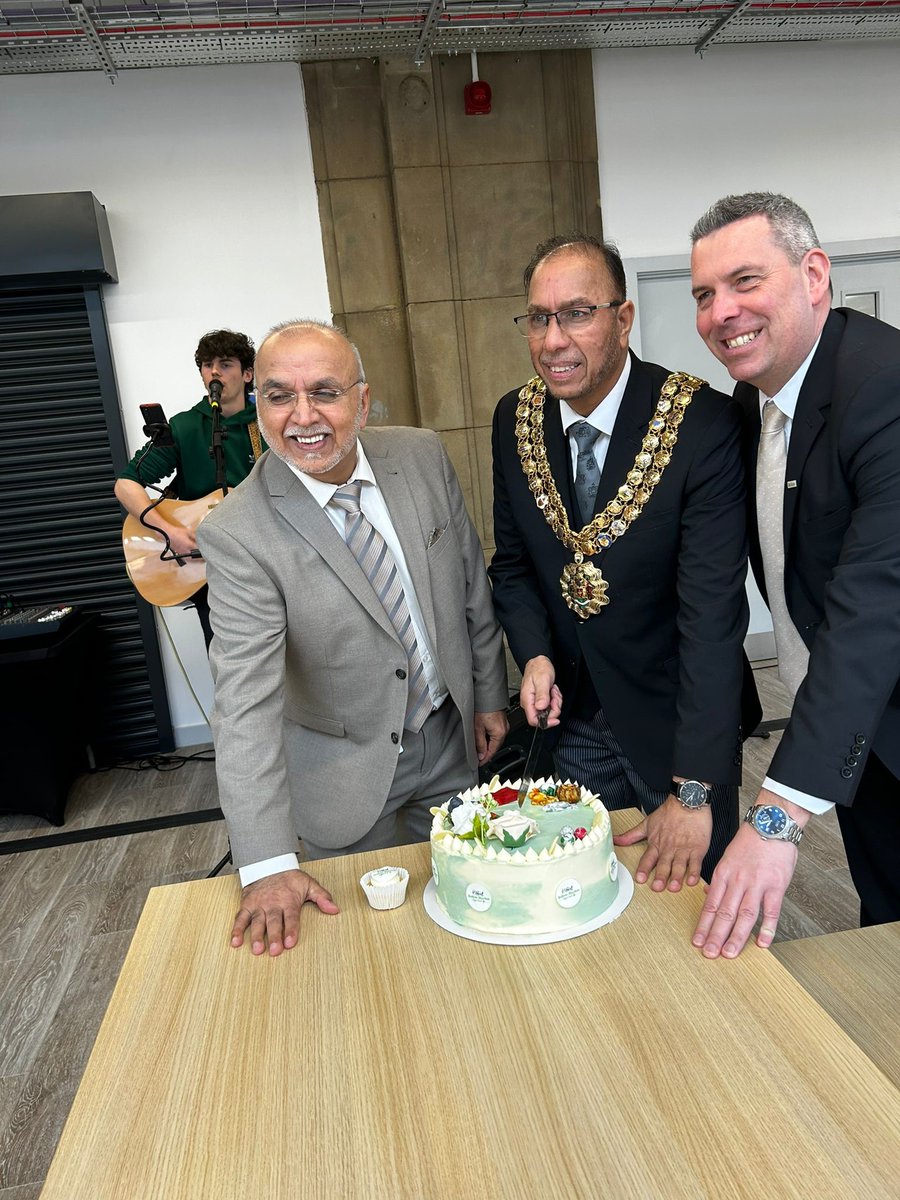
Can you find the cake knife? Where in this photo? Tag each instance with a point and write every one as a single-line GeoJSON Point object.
{"type": "Point", "coordinates": [533, 753]}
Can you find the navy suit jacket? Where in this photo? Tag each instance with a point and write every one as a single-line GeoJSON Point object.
{"type": "Point", "coordinates": [665, 656]}
{"type": "Point", "coordinates": [842, 555]}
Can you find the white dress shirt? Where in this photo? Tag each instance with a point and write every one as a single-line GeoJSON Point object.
{"type": "Point", "coordinates": [375, 510]}
{"type": "Point", "coordinates": [786, 400]}
{"type": "Point", "coordinates": [603, 418]}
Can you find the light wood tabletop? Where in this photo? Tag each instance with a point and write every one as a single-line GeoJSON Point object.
{"type": "Point", "coordinates": [385, 1057]}
{"type": "Point", "coordinates": [855, 976]}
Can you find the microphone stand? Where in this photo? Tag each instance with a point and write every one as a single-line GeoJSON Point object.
{"type": "Point", "coordinates": [217, 449]}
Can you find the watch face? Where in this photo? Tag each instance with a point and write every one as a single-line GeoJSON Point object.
{"type": "Point", "coordinates": [770, 820]}
{"type": "Point", "coordinates": [692, 794]}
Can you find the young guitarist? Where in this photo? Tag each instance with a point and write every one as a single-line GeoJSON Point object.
{"type": "Point", "coordinates": [224, 357]}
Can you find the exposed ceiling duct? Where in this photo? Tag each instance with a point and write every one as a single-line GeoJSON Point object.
{"type": "Point", "coordinates": [119, 35]}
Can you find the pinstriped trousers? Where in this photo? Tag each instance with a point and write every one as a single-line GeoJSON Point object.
{"type": "Point", "coordinates": [587, 752]}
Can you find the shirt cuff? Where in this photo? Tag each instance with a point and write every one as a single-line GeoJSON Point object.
{"type": "Point", "coordinates": [268, 866]}
{"type": "Point", "coordinates": [812, 804]}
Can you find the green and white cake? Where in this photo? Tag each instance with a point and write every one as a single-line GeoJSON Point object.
{"type": "Point", "coordinates": [545, 868]}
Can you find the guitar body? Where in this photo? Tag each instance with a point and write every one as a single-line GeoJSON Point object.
{"type": "Point", "coordinates": [165, 582]}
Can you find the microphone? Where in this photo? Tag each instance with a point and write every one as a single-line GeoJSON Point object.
{"type": "Point", "coordinates": [215, 393]}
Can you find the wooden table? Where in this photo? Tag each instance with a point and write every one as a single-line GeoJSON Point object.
{"type": "Point", "coordinates": [855, 976]}
{"type": "Point", "coordinates": [387, 1058]}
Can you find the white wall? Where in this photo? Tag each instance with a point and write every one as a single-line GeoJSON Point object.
{"type": "Point", "coordinates": [816, 121]}
{"type": "Point", "coordinates": [206, 175]}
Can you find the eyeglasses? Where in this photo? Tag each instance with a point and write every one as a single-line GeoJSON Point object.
{"type": "Point", "coordinates": [570, 320]}
{"type": "Point", "coordinates": [317, 398]}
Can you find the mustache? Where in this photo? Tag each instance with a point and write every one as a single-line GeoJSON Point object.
{"type": "Point", "coordinates": [307, 431]}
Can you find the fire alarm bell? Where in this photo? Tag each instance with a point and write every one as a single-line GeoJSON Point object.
{"type": "Point", "coordinates": [478, 98]}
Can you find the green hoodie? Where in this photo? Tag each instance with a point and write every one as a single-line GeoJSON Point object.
{"type": "Point", "coordinates": [189, 458]}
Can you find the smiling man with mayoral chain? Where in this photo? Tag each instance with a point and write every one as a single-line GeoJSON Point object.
{"type": "Point", "coordinates": [639, 665]}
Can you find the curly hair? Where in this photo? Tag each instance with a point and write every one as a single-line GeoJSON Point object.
{"type": "Point", "coordinates": [225, 343]}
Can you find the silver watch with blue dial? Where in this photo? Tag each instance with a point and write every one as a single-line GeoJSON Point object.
{"type": "Point", "coordinates": [772, 823]}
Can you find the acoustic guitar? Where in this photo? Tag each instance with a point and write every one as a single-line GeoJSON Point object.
{"type": "Point", "coordinates": [165, 581]}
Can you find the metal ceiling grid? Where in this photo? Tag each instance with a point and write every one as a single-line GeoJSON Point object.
{"type": "Point", "coordinates": [112, 35]}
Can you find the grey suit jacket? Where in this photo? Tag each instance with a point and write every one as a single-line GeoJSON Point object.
{"type": "Point", "coordinates": [308, 704]}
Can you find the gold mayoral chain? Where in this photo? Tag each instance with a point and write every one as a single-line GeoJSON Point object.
{"type": "Point", "coordinates": [583, 586]}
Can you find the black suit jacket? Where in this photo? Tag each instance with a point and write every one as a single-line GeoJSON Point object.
{"type": "Point", "coordinates": [842, 555]}
{"type": "Point", "coordinates": [665, 656]}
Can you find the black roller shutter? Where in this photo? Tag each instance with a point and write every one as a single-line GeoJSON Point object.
{"type": "Point", "coordinates": [61, 445]}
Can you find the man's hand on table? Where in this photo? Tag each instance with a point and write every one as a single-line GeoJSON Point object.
{"type": "Point", "coordinates": [752, 877]}
{"type": "Point", "coordinates": [491, 729]}
{"type": "Point", "coordinates": [270, 909]}
{"type": "Point", "coordinates": [677, 839]}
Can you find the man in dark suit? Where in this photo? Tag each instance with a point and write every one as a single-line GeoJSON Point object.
{"type": "Point", "coordinates": [358, 664]}
{"type": "Point", "coordinates": [820, 391]}
{"type": "Point", "coordinates": [622, 596]}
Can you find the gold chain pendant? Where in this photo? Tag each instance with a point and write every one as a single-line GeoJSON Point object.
{"type": "Point", "coordinates": [584, 588]}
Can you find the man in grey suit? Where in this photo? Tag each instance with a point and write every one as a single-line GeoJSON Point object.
{"type": "Point", "coordinates": [358, 664]}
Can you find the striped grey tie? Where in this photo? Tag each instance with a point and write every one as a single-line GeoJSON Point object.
{"type": "Point", "coordinates": [374, 556]}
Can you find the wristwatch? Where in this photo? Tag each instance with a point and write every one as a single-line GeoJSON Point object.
{"type": "Point", "coordinates": [691, 793]}
{"type": "Point", "coordinates": [772, 823]}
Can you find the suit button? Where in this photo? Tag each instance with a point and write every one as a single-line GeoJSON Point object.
{"type": "Point", "coordinates": [851, 760]}
{"type": "Point", "coordinates": [400, 673]}
{"type": "Point", "coordinates": [846, 773]}
{"type": "Point", "coordinates": [860, 739]}
{"type": "Point", "coordinates": [395, 738]}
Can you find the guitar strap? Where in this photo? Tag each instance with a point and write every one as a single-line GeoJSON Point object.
{"type": "Point", "coordinates": [255, 439]}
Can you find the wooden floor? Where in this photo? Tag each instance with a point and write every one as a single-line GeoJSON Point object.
{"type": "Point", "coordinates": [67, 914]}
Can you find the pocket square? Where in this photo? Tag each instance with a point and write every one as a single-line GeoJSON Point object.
{"type": "Point", "coordinates": [435, 534]}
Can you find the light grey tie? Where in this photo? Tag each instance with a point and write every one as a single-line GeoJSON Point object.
{"type": "Point", "coordinates": [793, 656]}
{"type": "Point", "coordinates": [374, 556]}
{"type": "Point", "coordinates": [587, 473]}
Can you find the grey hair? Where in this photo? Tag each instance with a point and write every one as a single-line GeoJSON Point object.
{"type": "Point", "coordinates": [302, 325]}
{"type": "Point", "coordinates": [791, 227]}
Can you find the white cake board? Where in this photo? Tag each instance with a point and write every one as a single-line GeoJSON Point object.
{"type": "Point", "coordinates": [618, 906]}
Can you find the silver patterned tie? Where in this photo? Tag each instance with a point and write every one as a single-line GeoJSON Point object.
{"type": "Point", "coordinates": [374, 556]}
{"type": "Point", "coordinates": [587, 473]}
{"type": "Point", "coordinates": [793, 656]}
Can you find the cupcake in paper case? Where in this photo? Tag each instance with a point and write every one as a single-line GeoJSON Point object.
{"type": "Point", "coordinates": [385, 887]}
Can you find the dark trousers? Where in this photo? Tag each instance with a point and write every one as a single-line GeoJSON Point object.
{"type": "Point", "coordinates": [870, 827]}
{"type": "Point", "coordinates": [588, 753]}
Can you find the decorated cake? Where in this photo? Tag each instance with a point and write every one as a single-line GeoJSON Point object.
{"type": "Point", "coordinates": [544, 868]}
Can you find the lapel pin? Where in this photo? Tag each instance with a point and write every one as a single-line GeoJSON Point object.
{"type": "Point", "coordinates": [791, 483]}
